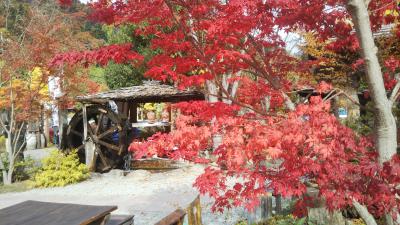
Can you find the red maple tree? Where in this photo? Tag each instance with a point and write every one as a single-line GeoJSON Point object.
{"type": "Point", "coordinates": [234, 51]}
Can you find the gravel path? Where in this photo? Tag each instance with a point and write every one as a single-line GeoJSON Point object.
{"type": "Point", "coordinates": [149, 196]}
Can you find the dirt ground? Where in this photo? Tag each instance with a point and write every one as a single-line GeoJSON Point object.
{"type": "Point", "coordinates": [148, 196]}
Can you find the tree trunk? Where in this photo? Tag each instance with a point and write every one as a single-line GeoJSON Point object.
{"type": "Point", "coordinates": [385, 124]}
{"type": "Point", "coordinates": [7, 177]}
{"type": "Point", "coordinates": [46, 129]}
{"type": "Point", "coordinates": [4, 172]}
{"type": "Point", "coordinates": [212, 91]}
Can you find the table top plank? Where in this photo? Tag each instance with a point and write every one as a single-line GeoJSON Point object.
{"type": "Point", "coordinates": [49, 213]}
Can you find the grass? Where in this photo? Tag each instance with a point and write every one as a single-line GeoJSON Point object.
{"type": "Point", "coordinates": [15, 187]}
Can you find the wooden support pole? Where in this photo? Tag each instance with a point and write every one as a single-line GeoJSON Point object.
{"type": "Point", "coordinates": [266, 206]}
{"type": "Point", "coordinates": [132, 112]}
{"type": "Point", "coordinates": [278, 204]}
{"type": "Point", "coordinates": [46, 128]}
{"type": "Point", "coordinates": [89, 145]}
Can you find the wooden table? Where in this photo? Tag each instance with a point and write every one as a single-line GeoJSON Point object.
{"type": "Point", "coordinates": [49, 213]}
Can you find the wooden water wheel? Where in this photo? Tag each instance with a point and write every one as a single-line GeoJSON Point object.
{"type": "Point", "coordinates": [105, 130]}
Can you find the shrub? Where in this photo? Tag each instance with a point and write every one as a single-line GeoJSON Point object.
{"type": "Point", "coordinates": [25, 169]}
{"type": "Point", "coordinates": [358, 221]}
{"type": "Point", "coordinates": [60, 169]}
{"type": "Point", "coordinates": [278, 220]}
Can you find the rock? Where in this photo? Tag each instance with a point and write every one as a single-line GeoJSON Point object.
{"type": "Point", "coordinates": [321, 216]}
{"type": "Point", "coordinates": [318, 214]}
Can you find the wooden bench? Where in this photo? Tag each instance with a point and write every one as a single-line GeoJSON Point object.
{"type": "Point", "coordinates": [50, 213]}
{"type": "Point", "coordinates": [120, 220]}
{"type": "Point", "coordinates": [175, 218]}
{"type": "Point", "coordinates": [193, 212]}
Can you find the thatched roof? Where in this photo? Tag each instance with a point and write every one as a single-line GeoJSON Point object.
{"type": "Point", "coordinates": [148, 92]}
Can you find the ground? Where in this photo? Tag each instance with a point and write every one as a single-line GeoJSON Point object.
{"type": "Point", "coordinates": [148, 196]}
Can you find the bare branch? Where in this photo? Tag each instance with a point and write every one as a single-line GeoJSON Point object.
{"type": "Point", "coordinates": [330, 93]}
{"type": "Point", "coordinates": [15, 141]}
{"type": "Point", "coordinates": [4, 126]}
{"type": "Point", "coordinates": [19, 150]}
{"type": "Point", "coordinates": [328, 98]}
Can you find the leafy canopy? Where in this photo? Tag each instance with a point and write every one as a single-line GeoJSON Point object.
{"type": "Point", "coordinates": [234, 51]}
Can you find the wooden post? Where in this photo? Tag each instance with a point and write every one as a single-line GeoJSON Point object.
{"type": "Point", "coordinates": [194, 212]}
{"type": "Point", "coordinates": [89, 145]}
{"type": "Point", "coordinates": [63, 123]}
{"type": "Point", "coordinates": [38, 136]}
{"type": "Point", "coordinates": [132, 112]}
{"type": "Point", "coordinates": [266, 206]}
{"type": "Point", "coordinates": [278, 204]}
{"type": "Point", "coordinates": [46, 128]}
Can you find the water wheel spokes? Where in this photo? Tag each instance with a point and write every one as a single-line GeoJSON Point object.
{"type": "Point", "coordinates": [100, 123]}
{"type": "Point", "coordinates": [108, 132]}
{"type": "Point", "coordinates": [105, 131]}
{"type": "Point", "coordinates": [103, 159]}
{"type": "Point", "coordinates": [76, 133]}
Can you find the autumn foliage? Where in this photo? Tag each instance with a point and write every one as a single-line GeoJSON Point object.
{"type": "Point", "coordinates": [267, 143]}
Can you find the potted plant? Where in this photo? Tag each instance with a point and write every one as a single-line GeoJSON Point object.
{"type": "Point", "coordinates": [150, 114]}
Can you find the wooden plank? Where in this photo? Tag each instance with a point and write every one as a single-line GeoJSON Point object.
{"type": "Point", "coordinates": [40, 213]}
{"type": "Point", "coordinates": [194, 212]}
{"type": "Point", "coordinates": [150, 164]}
{"type": "Point", "coordinates": [174, 218]}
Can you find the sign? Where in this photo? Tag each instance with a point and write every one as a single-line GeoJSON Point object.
{"type": "Point", "coordinates": [342, 112]}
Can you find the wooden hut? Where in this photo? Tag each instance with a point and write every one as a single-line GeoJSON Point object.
{"type": "Point", "coordinates": [102, 129]}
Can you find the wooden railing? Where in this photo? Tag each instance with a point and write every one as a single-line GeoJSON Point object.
{"type": "Point", "coordinates": [175, 218]}
{"type": "Point", "coordinates": [193, 212]}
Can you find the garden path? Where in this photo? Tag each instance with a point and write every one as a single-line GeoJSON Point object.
{"type": "Point", "coordinates": [149, 196]}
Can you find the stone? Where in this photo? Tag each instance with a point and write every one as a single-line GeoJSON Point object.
{"type": "Point", "coordinates": [321, 216]}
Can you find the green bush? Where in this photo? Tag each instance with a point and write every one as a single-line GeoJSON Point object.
{"type": "Point", "coordinates": [278, 220]}
{"type": "Point", "coordinates": [60, 169]}
{"type": "Point", "coordinates": [25, 169]}
{"type": "Point", "coordinates": [285, 220]}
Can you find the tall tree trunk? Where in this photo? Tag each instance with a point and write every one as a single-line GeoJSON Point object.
{"type": "Point", "coordinates": [385, 124]}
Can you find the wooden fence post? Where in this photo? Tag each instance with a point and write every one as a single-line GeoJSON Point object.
{"type": "Point", "coordinates": [266, 206]}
